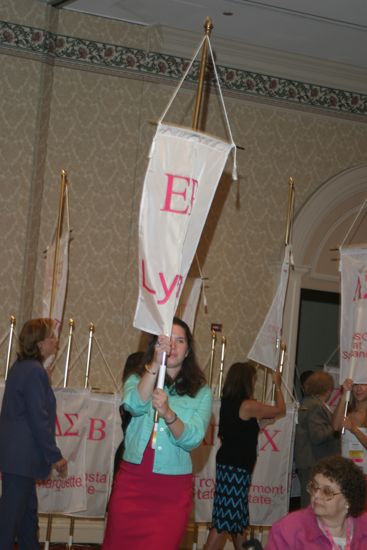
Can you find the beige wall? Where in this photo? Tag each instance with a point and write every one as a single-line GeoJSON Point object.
{"type": "Point", "coordinates": [96, 124]}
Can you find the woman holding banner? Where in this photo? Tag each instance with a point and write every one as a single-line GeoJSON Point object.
{"type": "Point", "coordinates": [151, 496]}
{"type": "Point", "coordinates": [27, 435]}
{"type": "Point", "coordinates": [354, 440]}
{"type": "Point", "coordinates": [238, 431]}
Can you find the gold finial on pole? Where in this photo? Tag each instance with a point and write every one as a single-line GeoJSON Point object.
{"type": "Point", "coordinates": [63, 184]}
{"type": "Point", "coordinates": [208, 27]}
{"type": "Point", "coordinates": [290, 210]}
{"type": "Point", "coordinates": [67, 361]}
{"type": "Point", "coordinates": [91, 334]}
{"type": "Point", "coordinates": [10, 344]}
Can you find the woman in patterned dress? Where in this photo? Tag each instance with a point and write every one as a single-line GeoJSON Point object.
{"type": "Point", "coordinates": [239, 427]}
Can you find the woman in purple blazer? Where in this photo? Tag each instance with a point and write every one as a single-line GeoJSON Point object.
{"type": "Point", "coordinates": [28, 449]}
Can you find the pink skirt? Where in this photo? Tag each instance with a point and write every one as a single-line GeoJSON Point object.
{"type": "Point", "coordinates": [147, 511]}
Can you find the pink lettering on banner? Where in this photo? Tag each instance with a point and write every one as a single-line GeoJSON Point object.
{"type": "Point", "coordinates": [180, 186]}
{"type": "Point", "coordinates": [144, 283]}
{"type": "Point", "coordinates": [97, 429]}
{"type": "Point", "coordinates": [270, 440]}
{"type": "Point", "coordinates": [167, 289]}
{"type": "Point", "coordinates": [263, 494]}
{"type": "Point", "coordinates": [360, 292]}
{"type": "Point", "coordinates": [204, 487]}
{"type": "Point", "coordinates": [71, 419]}
{"type": "Point", "coordinates": [94, 481]}
{"type": "Point", "coordinates": [58, 484]}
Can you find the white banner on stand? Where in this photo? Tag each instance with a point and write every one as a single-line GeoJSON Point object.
{"type": "Point", "coordinates": [88, 432]}
{"type": "Point", "coordinates": [270, 487]}
{"type": "Point", "coordinates": [353, 324]}
{"type": "Point", "coordinates": [68, 495]}
{"type": "Point", "coordinates": [265, 349]}
{"type": "Point", "coordinates": [181, 179]}
{"type": "Point", "coordinates": [103, 437]}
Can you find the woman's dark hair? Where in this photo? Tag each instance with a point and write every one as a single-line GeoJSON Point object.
{"type": "Point", "coordinates": [240, 380]}
{"type": "Point", "coordinates": [190, 378]}
{"type": "Point", "coordinates": [348, 476]}
{"type": "Point", "coordinates": [352, 402]}
{"type": "Point", "coordinates": [319, 383]}
{"type": "Point", "coordinates": [134, 365]}
{"type": "Point", "coordinates": [33, 332]}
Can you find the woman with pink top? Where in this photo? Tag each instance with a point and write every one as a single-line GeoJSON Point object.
{"type": "Point", "coordinates": [335, 519]}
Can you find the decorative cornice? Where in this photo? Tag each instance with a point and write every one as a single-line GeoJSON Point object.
{"type": "Point", "coordinates": [68, 49]}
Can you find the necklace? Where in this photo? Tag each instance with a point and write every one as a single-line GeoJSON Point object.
{"type": "Point", "coordinates": [348, 534]}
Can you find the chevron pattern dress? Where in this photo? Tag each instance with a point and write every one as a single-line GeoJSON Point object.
{"type": "Point", "coordinates": [230, 509]}
{"type": "Point", "coordinates": [235, 462]}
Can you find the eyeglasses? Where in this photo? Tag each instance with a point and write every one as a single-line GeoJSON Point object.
{"type": "Point", "coordinates": [326, 492]}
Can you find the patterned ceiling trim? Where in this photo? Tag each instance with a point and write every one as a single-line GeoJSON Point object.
{"type": "Point", "coordinates": [140, 62]}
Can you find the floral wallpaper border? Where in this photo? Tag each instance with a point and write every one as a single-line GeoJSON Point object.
{"type": "Point", "coordinates": [140, 62]}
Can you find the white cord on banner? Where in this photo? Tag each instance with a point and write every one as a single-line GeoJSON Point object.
{"type": "Point", "coordinates": [181, 81]}
{"type": "Point", "coordinates": [206, 37]}
{"type": "Point", "coordinates": [107, 365]}
{"type": "Point", "coordinates": [67, 207]}
{"type": "Point", "coordinates": [234, 170]}
{"type": "Point", "coordinates": [356, 218]}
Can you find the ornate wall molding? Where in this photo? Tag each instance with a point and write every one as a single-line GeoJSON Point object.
{"type": "Point", "coordinates": [26, 40]}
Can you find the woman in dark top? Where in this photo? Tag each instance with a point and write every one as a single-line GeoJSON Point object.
{"type": "Point", "coordinates": [134, 365]}
{"type": "Point", "coordinates": [236, 458]}
{"type": "Point", "coordinates": [28, 449]}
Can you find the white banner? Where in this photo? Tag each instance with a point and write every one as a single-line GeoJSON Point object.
{"type": "Point", "coordinates": [61, 276]}
{"type": "Point", "coordinates": [352, 448]}
{"type": "Point", "coordinates": [271, 480]}
{"type": "Point", "coordinates": [88, 431]}
{"type": "Point", "coordinates": [104, 434]}
{"type": "Point", "coordinates": [68, 495]}
{"type": "Point", "coordinates": [180, 183]}
{"type": "Point", "coordinates": [353, 323]}
{"type": "Point", "coordinates": [266, 347]}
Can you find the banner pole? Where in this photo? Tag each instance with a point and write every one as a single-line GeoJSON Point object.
{"type": "Point", "coordinates": [283, 349]}
{"type": "Point", "coordinates": [208, 27]}
{"type": "Point", "coordinates": [10, 344]}
{"type": "Point", "coordinates": [67, 361]}
{"type": "Point", "coordinates": [221, 370]}
{"type": "Point", "coordinates": [212, 352]}
{"type": "Point", "coordinates": [63, 184]}
{"type": "Point", "coordinates": [160, 385]}
{"type": "Point", "coordinates": [265, 385]}
{"type": "Point", "coordinates": [87, 371]}
{"type": "Point", "coordinates": [48, 532]}
{"type": "Point", "coordinates": [290, 211]}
